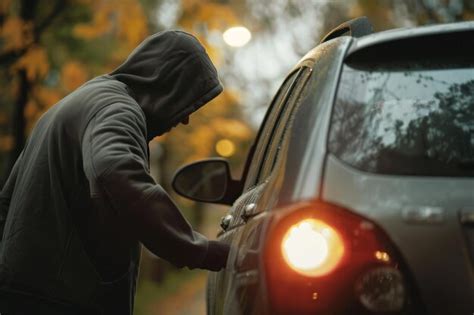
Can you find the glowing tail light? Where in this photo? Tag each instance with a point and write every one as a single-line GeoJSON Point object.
{"type": "Point", "coordinates": [312, 248]}
{"type": "Point", "coordinates": [320, 258]}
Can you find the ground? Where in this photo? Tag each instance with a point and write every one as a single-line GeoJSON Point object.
{"type": "Point", "coordinates": [188, 300]}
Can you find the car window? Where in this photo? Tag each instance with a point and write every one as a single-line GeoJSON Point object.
{"type": "Point", "coordinates": [408, 118]}
{"type": "Point", "coordinates": [264, 135]}
{"type": "Point", "coordinates": [274, 145]}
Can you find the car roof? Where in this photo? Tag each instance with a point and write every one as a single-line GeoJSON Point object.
{"type": "Point", "coordinates": [391, 35]}
{"type": "Point", "coordinates": [411, 32]}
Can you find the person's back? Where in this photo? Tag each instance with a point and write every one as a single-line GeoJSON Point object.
{"type": "Point", "coordinates": [80, 198]}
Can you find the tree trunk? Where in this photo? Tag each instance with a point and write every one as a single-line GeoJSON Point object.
{"type": "Point", "coordinates": [27, 14]}
{"type": "Point", "coordinates": [18, 120]}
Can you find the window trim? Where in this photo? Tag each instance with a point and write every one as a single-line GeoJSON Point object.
{"type": "Point", "coordinates": [273, 114]}
{"type": "Point", "coordinates": [281, 127]}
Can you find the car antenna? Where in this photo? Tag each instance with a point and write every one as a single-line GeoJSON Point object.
{"type": "Point", "coordinates": [357, 27]}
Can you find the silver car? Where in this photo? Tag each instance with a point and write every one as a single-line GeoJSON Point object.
{"type": "Point", "coordinates": [358, 193]}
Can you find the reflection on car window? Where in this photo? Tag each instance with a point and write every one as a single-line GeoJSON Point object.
{"type": "Point", "coordinates": [407, 120]}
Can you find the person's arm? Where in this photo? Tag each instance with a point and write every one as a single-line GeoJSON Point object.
{"type": "Point", "coordinates": [115, 163]}
{"type": "Point", "coordinates": [6, 194]}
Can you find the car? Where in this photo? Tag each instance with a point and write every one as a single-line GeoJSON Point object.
{"type": "Point", "coordinates": [357, 196]}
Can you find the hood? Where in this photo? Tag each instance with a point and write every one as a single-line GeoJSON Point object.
{"type": "Point", "coordinates": [170, 75]}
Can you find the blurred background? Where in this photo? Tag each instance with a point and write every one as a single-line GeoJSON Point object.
{"type": "Point", "coordinates": [48, 48]}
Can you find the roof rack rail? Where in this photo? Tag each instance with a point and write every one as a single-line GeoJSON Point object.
{"type": "Point", "coordinates": [357, 27]}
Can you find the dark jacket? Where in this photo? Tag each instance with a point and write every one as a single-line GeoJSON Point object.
{"type": "Point", "coordinates": [80, 197]}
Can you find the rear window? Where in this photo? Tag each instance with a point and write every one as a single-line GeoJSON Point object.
{"type": "Point", "coordinates": [406, 118]}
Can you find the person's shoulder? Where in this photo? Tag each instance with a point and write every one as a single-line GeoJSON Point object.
{"type": "Point", "coordinates": [111, 95]}
{"type": "Point", "coordinates": [105, 83]}
{"type": "Point", "coordinates": [123, 110]}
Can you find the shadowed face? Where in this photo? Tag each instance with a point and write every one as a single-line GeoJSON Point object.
{"type": "Point", "coordinates": [185, 121]}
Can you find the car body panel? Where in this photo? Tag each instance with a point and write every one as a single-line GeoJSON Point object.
{"type": "Point", "coordinates": [304, 166]}
{"type": "Point", "coordinates": [446, 285]}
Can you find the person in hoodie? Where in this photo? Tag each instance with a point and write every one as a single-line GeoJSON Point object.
{"type": "Point", "coordinates": [80, 198]}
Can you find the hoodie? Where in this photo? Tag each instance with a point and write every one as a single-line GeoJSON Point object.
{"type": "Point", "coordinates": [80, 198]}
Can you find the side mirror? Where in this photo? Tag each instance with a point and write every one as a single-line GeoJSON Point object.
{"type": "Point", "coordinates": [208, 181]}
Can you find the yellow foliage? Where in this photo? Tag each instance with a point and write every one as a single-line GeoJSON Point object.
{"type": "Point", "coordinates": [202, 136]}
{"type": "Point", "coordinates": [34, 62]}
{"type": "Point", "coordinates": [4, 6]}
{"type": "Point", "coordinates": [73, 75]}
{"type": "Point", "coordinates": [228, 98]}
{"type": "Point", "coordinates": [16, 34]}
{"type": "Point", "coordinates": [132, 23]}
{"type": "Point", "coordinates": [215, 16]}
{"type": "Point", "coordinates": [231, 128]}
{"type": "Point", "coordinates": [31, 110]}
{"type": "Point", "coordinates": [189, 5]}
{"type": "Point", "coordinates": [100, 24]}
{"type": "Point", "coordinates": [46, 97]}
{"type": "Point", "coordinates": [6, 143]}
{"type": "Point", "coordinates": [125, 18]}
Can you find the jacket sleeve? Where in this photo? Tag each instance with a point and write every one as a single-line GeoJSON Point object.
{"type": "Point", "coordinates": [6, 194]}
{"type": "Point", "coordinates": [115, 161]}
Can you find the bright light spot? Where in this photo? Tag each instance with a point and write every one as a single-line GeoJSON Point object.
{"type": "Point", "coordinates": [305, 247]}
{"type": "Point", "coordinates": [225, 147]}
{"type": "Point", "coordinates": [383, 256]}
{"type": "Point", "coordinates": [312, 247]}
{"type": "Point", "coordinates": [237, 36]}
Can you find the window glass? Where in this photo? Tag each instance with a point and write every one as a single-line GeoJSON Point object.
{"type": "Point", "coordinates": [282, 125]}
{"type": "Point", "coordinates": [406, 118]}
{"type": "Point", "coordinates": [267, 128]}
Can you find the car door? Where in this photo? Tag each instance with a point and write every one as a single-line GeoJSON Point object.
{"type": "Point", "coordinates": [247, 210]}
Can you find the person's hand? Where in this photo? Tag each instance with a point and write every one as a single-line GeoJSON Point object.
{"type": "Point", "coordinates": [216, 257]}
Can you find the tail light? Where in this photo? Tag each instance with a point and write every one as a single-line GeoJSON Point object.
{"type": "Point", "coordinates": [320, 258]}
{"type": "Point", "coordinates": [312, 248]}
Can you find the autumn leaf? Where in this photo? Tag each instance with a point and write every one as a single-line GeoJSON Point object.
{"type": "Point", "coordinates": [46, 97]}
{"type": "Point", "coordinates": [16, 33]}
{"type": "Point", "coordinates": [100, 24]}
{"type": "Point", "coordinates": [231, 128]}
{"type": "Point", "coordinates": [31, 110]}
{"type": "Point", "coordinates": [125, 18]}
{"type": "Point", "coordinates": [4, 6]}
{"type": "Point", "coordinates": [6, 143]}
{"type": "Point", "coordinates": [215, 16]}
{"type": "Point", "coordinates": [34, 62]}
{"type": "Point", "coordinates": [188, 5]}
{"type": "Point", "coordinates": [73, 75]}
{"type": "Point", "coordinates": [132, 26]}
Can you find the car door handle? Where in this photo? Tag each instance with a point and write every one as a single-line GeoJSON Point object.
{"type": "Point", "coordinates": [249, 211]}
{"type": "Point", "coordinates": [226, 221]}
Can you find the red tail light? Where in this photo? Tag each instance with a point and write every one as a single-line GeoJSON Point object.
{"type": "Point", "coordinates": [312, 247]}
{"type": "Point", "coordinates": [322, 258]}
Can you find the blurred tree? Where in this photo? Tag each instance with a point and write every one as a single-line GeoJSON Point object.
{"type": "Point", "coordinates": [47, 49]}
